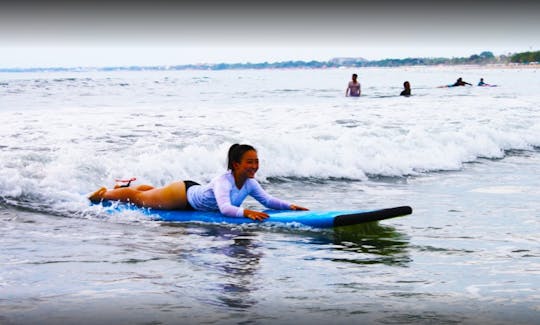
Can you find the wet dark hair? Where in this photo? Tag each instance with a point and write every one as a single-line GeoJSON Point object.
{"type": "Point", "coordinates": [236, 152]}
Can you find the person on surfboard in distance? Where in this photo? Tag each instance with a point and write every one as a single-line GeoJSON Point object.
{"type": "Point", "coordinates": [481, 83]}
{"type": "Point", "coordinates": [224, 193]}
{"type": "Point", "coordinates": [460, 82]}
{"type": "Point", "coordinates": [353, 88]}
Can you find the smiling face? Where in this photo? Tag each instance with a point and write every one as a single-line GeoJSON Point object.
{"type": "Point", "coordinates": [248, 165]}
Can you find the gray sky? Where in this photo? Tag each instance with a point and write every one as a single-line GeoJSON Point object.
{"type": "Point", "coordinates": [167, 33]}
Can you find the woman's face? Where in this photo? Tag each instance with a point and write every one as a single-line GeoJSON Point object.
{"type": "Point", "coordinates": [248, 165]}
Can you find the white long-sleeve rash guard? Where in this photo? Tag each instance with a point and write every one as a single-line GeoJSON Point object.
{"type": "Point", "coordinates": [223, 195]}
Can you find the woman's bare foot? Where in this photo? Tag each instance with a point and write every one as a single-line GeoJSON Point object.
{"type": "Point", "coordinates": [97, 196]}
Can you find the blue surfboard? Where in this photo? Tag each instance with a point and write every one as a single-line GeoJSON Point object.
{"type": "Point", "coordinates": [315, 219]}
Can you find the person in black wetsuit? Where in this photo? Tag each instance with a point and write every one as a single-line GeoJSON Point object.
{"type": "Point", "coordinates": [460, 82]}
{"type": "Point", "coordinates": [407, 89]}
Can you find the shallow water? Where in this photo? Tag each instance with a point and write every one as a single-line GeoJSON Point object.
{"type": "Point", "coordinates": [466, 160]}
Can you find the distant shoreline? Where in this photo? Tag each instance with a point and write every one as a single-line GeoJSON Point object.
{"type": "Point", "coordinates": [472, 66]}
{"type": "Point", "coordinates": [249, 66]}
{"type": "Point", "coordinates": [498, 66]}
{"type": "Point", "coordinates": [486, 59]}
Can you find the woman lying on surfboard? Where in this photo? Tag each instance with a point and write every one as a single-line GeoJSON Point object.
{"type": "Point", "coordinates": [224, 193]}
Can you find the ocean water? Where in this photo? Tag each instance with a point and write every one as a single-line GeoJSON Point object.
{"type": "Point", "coordinates": [466, 159]}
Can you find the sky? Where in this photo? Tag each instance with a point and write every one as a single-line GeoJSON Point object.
{"type": "Point", "coordinates": [91, 34]}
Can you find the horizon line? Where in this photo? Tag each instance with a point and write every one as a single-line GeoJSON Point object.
{"type": "Point", "coordinates": [337, 61]}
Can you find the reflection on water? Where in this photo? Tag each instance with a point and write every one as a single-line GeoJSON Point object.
{"type": "Point", "coordinates": [378, 244]}
{"type": "Point", "coordinates": [232, 257]}
{"type": "Point", "coordinates": [240, 268]}
{"type": "Point", "coordinates": [235, 256]}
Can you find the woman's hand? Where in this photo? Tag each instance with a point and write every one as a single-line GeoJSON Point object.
{"type": "Point", "coordinates": [255, 215]}
{"type": "Point", "coordinates": [298, 208]}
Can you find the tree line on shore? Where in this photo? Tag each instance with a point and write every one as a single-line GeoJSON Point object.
{"type": "Point", "coordinates": [526, 57]}
{"type": "Point", "coordinates": [483, 58]}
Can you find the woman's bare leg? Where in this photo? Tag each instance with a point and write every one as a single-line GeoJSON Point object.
{"type": "Point", "coordinates": [97, 196]}
{"type": "Point", "coordinates": [142, 187]}
{"type": "Point", "coordinates": [170, 197]}
{"type": "Point", "coordinates": [123, 194]}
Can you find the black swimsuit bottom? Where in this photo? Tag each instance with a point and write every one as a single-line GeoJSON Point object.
{"type": "Point", "coordinates": [188, 185]}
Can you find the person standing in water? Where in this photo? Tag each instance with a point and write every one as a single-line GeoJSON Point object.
{"type": "Point", "coordinates": [407, 89]}
{"type": "Point", "coordinates": [224, 193]}
{"type": "Point", "coordinates": [353, 88]}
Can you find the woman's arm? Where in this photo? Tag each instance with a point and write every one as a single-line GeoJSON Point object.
{"type": "Point", "coordinates": [269, 201]}
{"type": "Point", "coordinates": [222, 192]}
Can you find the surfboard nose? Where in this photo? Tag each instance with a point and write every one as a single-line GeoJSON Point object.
{"type": "Point", "coordinates": [369, 216]}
